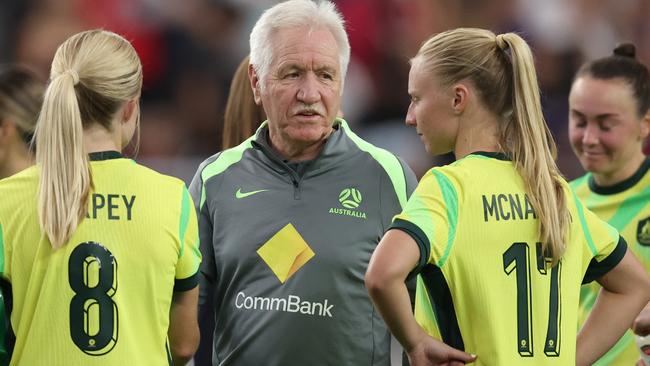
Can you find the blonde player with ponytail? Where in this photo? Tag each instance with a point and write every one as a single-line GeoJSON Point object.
{"type": "Point", "coordinates": [100, 251]}
{"type": "Point", "coordinates": [499, 241]}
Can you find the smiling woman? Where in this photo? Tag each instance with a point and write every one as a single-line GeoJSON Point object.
{"type": "Point", "coordinates": [609, 118]}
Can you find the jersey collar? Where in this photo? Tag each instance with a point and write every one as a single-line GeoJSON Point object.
{"type": "Point", "coordinates": [104, 155]}
{"type": "Point", "coordinates": [330, 154]}
{"type": "Point", "coordinates": [493, 154]}
{"type": "Point", "coordinates": [623, 185]}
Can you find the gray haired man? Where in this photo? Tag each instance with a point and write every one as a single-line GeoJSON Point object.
{"type": "Point", "coordinates": [289, 218]}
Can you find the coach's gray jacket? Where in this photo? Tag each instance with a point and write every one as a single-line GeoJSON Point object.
{"type": "Point", "coordinates": [286, 246]}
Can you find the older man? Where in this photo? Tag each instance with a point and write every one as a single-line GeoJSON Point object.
{"type": "Point", "coordinates": [289, 218]}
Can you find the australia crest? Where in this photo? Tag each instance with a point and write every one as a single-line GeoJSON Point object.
{"type": "Point", "coordinates": [643, 231]}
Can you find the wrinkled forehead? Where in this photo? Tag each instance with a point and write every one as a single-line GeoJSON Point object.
{"type": "Point", "coordinates": [304, 43]}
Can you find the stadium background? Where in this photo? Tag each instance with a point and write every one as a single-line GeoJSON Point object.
{"type": "Point", "coordinates": [191, 48]}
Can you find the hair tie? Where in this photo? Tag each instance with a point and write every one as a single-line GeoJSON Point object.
{"type": "Point", "coordinates": [75, 76]}
{"type": "Point", "coordinates": [501, 42]}
{"type": "Point", "coordinates": [625, 50]}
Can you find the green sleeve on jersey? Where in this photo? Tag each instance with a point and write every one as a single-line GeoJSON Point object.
{"type": "Point", "coordinates": [185, 217]}
{"type": "Point", "coordinates": [2, 250]}
{"type": "Point", "coordinates": [189, 257]}
{"type": "Point", "coordinates": [451, 203]}
{"type": "Point", "coordinates": [583, 224]}
{"type": "Point", "coordinates": [420, 239]}
{"type": "Point", "coordinates": [223, 161]}
{"type": "Point", "coordinates": [403, 222]}
{"type": "Point", "coordinates": [598, 269]}
{"type": "Point", "coordinates": [387, 160]}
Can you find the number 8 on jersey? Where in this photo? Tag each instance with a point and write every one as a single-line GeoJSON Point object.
{"type": "Point", "coordinates": [92, 273]}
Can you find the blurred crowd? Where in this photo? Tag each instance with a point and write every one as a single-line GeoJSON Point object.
{"type": "Point", "coordinates": [191, 48]}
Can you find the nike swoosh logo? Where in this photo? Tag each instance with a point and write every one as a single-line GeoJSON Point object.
{"type": "Point", "coordinates": [239, 194]}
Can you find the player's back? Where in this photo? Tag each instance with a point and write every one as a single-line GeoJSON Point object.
{"type": "Point", "coordinates": [494, 293]}
{"type": "Point", "coordinates": [104, 297]}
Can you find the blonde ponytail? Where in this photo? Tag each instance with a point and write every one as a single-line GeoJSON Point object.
{"type": "Point", "coordinates": [93, 74]}
{"type": "Point", "coordinates": [65, 179]}
{"type": "Point", "coordinates": [533, 149]}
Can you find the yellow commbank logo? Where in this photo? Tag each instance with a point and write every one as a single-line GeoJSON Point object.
{"type": "Point", "coordinates": [286, 252]}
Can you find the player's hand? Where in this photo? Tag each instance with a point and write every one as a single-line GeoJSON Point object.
{"type": "Point", "coordinates": [641, 325]}
{"type": "Point", "coordinates": [431, 352]}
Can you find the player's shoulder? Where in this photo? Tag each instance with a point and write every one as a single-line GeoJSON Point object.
{"type": "Point", "coordinates": [580, 183]}
{"type": "Point", "coordinates": [20, 181]}
{"type": "Point", "coordinates": [481, 162]}
{"type": "Point", "coordinates": [460, 172]}
{"type": "Point", "coordinates": [17, 192]}
{"type": "Point", "coordinates": [155, 177]}
{"type": "Point", "coordinates": [477, 171]}
{"type": "Point", "coordinates": [142, 180]}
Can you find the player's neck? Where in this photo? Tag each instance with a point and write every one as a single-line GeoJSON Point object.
{"type": "Point", "coordinates": [19, 159]}
{"type": "Point", "coordinates": [619, 175]}
{"type": "Point", "coordinates": [477, 131]}
{"type": "Point", "coordinates": [97, 138]}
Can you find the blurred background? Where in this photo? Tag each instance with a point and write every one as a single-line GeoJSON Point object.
{"type": "Point", "coordinates": [191, 48]}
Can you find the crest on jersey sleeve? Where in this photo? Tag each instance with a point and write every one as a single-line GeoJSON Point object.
{"type": "Point", "coordinates": [643, 232]}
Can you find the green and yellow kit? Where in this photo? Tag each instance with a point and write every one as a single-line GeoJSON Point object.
{"type": "Point", "coordinates": [485, 284]}
{"type": "Point", "coordinates": [104, 297]}
{"type": "Point", "coordinates": [625, 206]}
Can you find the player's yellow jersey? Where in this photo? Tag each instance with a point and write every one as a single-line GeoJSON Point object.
{"type": "Point", "coordinates": [483, 278]}
{"type": "Point", "coordinates": [104, 297]}
{"type": "Point", "coordinates": [625, 206]}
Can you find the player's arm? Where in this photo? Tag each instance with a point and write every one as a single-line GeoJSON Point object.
{"type": "Point", "coordinates": [626, 290]}
{"type": "Point", "coordinates": [183, 326]}
{"type": "Point", "coordinates": [183, 331]}
{"type": "Point", "coordinates": [395, 257]}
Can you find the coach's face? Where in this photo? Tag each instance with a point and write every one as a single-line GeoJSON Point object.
{"type": "Point", "coordinates": [301, 92]}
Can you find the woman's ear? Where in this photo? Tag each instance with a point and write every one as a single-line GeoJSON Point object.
{"type": "Point", "coordinates": [130, 110]}
{"type": "Point", "coordinates": [460, 98]}
{"type": "Point", "coordinates": [645, 126]}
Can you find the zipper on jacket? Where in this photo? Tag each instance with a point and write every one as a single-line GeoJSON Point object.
{"type": "Point", "coordinates": [293, 175]}
{"type": "Point", "coordinates": [296, 189]}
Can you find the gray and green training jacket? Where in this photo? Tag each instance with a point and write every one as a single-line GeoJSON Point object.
{"type": "Point", "coordinates": [286, 246]}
